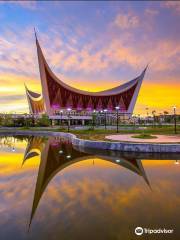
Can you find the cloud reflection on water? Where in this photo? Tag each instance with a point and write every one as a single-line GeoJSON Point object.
{"type": "Point", "coordinates": [91, 199]}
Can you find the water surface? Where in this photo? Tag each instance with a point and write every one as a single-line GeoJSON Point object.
{"type": "Point", "coordinates": [50, 190]}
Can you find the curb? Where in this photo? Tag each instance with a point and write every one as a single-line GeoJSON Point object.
{"type": "Point", "coordinates": [117, 146]}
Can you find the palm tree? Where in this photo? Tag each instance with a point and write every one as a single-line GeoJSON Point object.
{"type": "Point", "coordinates": [154, 117]}
{"type": "Point", "coordinates": [165, 113]}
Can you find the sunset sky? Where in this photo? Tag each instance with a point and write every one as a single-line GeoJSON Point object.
{"type": "Point", "coordinates": [92, 46]}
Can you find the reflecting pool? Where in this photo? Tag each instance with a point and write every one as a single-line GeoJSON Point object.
{"type": "Point", "coordinates": [52, 190]}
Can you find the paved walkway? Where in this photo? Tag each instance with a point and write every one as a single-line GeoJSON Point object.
{"type": "Point", "coordinates": [159, 139]}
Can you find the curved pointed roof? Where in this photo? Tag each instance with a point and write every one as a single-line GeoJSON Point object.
{"type": "Point", "coordinates": [113, 91]}
{"type": "Point", "coordinates": [35, 101]}
{"type": "Point", "coordinates": [33, 95]}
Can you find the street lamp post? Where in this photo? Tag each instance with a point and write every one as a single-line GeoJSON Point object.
{"type": "Point", "coordinates": [175, 130]}
{"type": "Point", "coordinates": [105, 123]}
{"type": "Point", "coordinates": [139, 119]}
{"type": "Point", "coordinates": [33, 120]}
{"type": "Point", "coordinates": [154, 117]}
{"type": "Point", "coordinates": [101, 117]}
{"type": "Point", "coordinates": [117, 119]}
{"type": "Point", "coordinates": [61, 112]}
{"type": "Point", "coordinates": [134, 118]}
{"type": "Point", "coordinates": [93, 118]}
{"type": "Point", "coordinates": [147, 115]}
{"type": "Point", "coordinates": [68, 109]}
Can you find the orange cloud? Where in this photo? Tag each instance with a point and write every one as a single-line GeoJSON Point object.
{"type": "Point", "coordinates": [158, 97]}
{"type": "Point", "coordinates": [12, 92]}
{"type": "Point", "coordinates": [19, 64]}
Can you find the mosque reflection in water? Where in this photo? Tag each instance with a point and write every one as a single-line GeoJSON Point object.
{"type": "Point", "coordinates": [57, 153]}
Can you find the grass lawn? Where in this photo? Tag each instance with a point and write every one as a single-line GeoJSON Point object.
{"type": "Point", "coordinates": [99, 134]}
{"type": "Point", "coordinates": [144, 136]}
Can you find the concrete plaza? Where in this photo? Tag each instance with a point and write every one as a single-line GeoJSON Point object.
{"type": "Point", "coordinates": [159, 139]}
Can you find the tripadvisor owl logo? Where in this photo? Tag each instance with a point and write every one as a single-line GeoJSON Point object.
{"type": "Point", "coordinates": [138, 230]}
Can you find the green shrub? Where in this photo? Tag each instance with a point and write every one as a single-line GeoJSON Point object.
{"type": "Point", "coordinates": [44, 121]}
